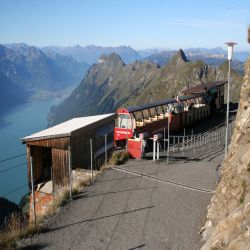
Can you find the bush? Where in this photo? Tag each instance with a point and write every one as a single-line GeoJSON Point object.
{"type": "Point", "coordinates": [16, 227]}
{"type": "Point", "coordinates": [119, 157]}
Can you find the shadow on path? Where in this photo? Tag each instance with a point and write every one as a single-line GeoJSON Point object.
{"type": "Point", "coordinates": [115, 192]}
{"type": "Point", "coordinates": [46, 230]}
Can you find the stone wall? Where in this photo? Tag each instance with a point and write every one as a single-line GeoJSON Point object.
{"type": "Point", "coordinates": [228, 218]}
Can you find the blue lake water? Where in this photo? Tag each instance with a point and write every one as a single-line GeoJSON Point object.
{"type": "Point", "coordinates": [18, 123]}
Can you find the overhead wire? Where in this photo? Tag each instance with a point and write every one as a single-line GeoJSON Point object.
{"type": "Point", "coordinates": [12, 157]}
{"type": "Point", "coordinates": [13, 167]}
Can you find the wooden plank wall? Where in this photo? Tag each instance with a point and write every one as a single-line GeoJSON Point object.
{"type": "Point", "coordinates": [59, 148]}
{"type": "Point", "coordinates": [60, 161]}
{"type": "Point", "coordinates": [59, 143]}
{"type": "Point", "coordinates": [80, 148]}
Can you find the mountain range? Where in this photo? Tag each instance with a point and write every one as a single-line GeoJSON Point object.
{"type": "Point", "coordinates": [11, 94]}
{"type": "Point", "coordinates": [212, 57]}
{"type": "Point", "coordinates": [24, 70]}
{"type": "Point", "coordinates": [32, 69]}
{"type": "Point", "coordinates": [111, 83]}
{"type": "Point", "coordinates": [53, 71]}
{"type": "Point", "coordinates": [90, 54]}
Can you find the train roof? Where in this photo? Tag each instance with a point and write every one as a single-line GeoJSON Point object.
{"type": "Point", "coordinates": [201, 88]}
{"type": "Point", "coordinates": [163, 102]}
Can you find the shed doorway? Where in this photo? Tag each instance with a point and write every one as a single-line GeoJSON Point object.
{"type": "Point", "coordinates": [46, 164]}
{"type": "Point", "coordinates": [42, 164]}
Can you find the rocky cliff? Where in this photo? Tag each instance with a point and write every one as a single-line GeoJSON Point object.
{"type": "Point", "coordinates": [228, 218]}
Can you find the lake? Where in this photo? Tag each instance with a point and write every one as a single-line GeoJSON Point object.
{"type": "Point", "coordinates": [18, 123]}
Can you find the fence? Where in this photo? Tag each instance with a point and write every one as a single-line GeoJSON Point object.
{"type": "Point", "coordinates": [191, 144]}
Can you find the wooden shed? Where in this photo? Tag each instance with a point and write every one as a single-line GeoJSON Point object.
{"type": "Point", "coordinates": [50, 148]}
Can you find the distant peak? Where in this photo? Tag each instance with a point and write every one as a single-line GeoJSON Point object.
{"type": "Point", "coordinates": [111, 59]}
{"type": "Point", "coordinates": [181, 54]}
{"type": "Point", "coordinates": [179, 58]}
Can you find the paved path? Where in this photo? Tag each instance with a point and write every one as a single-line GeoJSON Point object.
{"type": "Point", "coordinates": [123, 210]}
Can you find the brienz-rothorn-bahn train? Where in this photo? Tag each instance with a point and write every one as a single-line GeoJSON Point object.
{"type": "Point", "coordinates": [138, 123]}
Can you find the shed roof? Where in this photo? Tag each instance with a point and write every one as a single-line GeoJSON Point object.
{"type": "Point", "coordinates": [201, 87]}
{"type": "Point", "coordinates": [66, 129]}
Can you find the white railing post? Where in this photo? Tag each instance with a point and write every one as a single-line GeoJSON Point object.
{"type": "Point", "coordinates": [154, 149]}
{"type": "Point", "coordinates": [158, 150]}
{"type": "Point", "coordinates": [70, 184]}
{"type": "Point", "coordinates": [168, 138]}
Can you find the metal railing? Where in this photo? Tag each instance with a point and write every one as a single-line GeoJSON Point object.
{"type": "Point", "coordinates": [213, 138]}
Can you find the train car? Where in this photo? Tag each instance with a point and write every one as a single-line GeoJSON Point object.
{"type": "Point", "coordinates": [153, 118]}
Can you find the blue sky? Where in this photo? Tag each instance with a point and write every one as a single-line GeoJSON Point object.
{"type": "Point", "coordinates": [138, 23]}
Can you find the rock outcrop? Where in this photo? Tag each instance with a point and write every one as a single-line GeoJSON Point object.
{"type": "Point", "coordinates": [228, 218]}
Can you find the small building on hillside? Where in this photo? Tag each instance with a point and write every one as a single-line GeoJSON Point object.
{"type": "Point", "coordinates": [214, 93]}
{"type": "Point", "coordinates": [50, 148]}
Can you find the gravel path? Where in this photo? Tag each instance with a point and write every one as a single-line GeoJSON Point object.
{"type": "Point", "coordinates": [122, 210]}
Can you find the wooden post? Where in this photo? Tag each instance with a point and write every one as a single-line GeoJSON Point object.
{"type": "Point", "coordinates": [127, 136]}
{"type": "Point", "coordinates": [106, 151]}
{"type": "Point", "coordinates": [70, 184]}
{"type": "Point", "coordinates": [52, 179]}
{"type": "Point", "coordinates": [168, 138]}
{"type": "Point", "coordinates": [164, 135]}
{"type": "Point", "coordinates": [32, 190]}
{"type": "Point", "coordinates": [91, 159]}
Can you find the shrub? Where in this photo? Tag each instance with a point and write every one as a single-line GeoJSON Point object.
{"type": "Point", "coordinates": [119, 157]}
{"type": "Point", "coordinates": [16, 226]}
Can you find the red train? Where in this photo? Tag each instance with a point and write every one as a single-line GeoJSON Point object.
{"type": "Point", "coordinates": [134, 123]}
{"type": "Point", "coordinates": [145, 121]}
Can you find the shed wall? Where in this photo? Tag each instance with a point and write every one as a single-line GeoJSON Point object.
{"type": "Point", "coordinates": [60, 162]}
{"type": "Point", "coordinates": [80, 150]}
{"type": "Point", "coordinates": [59, 143]}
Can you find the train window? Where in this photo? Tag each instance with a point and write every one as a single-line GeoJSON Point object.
{"type": "Point", "coordinates": [124, 121]}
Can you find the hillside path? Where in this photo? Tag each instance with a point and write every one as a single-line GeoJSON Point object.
{"type": "Point", "coordinates": [123, 210]}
